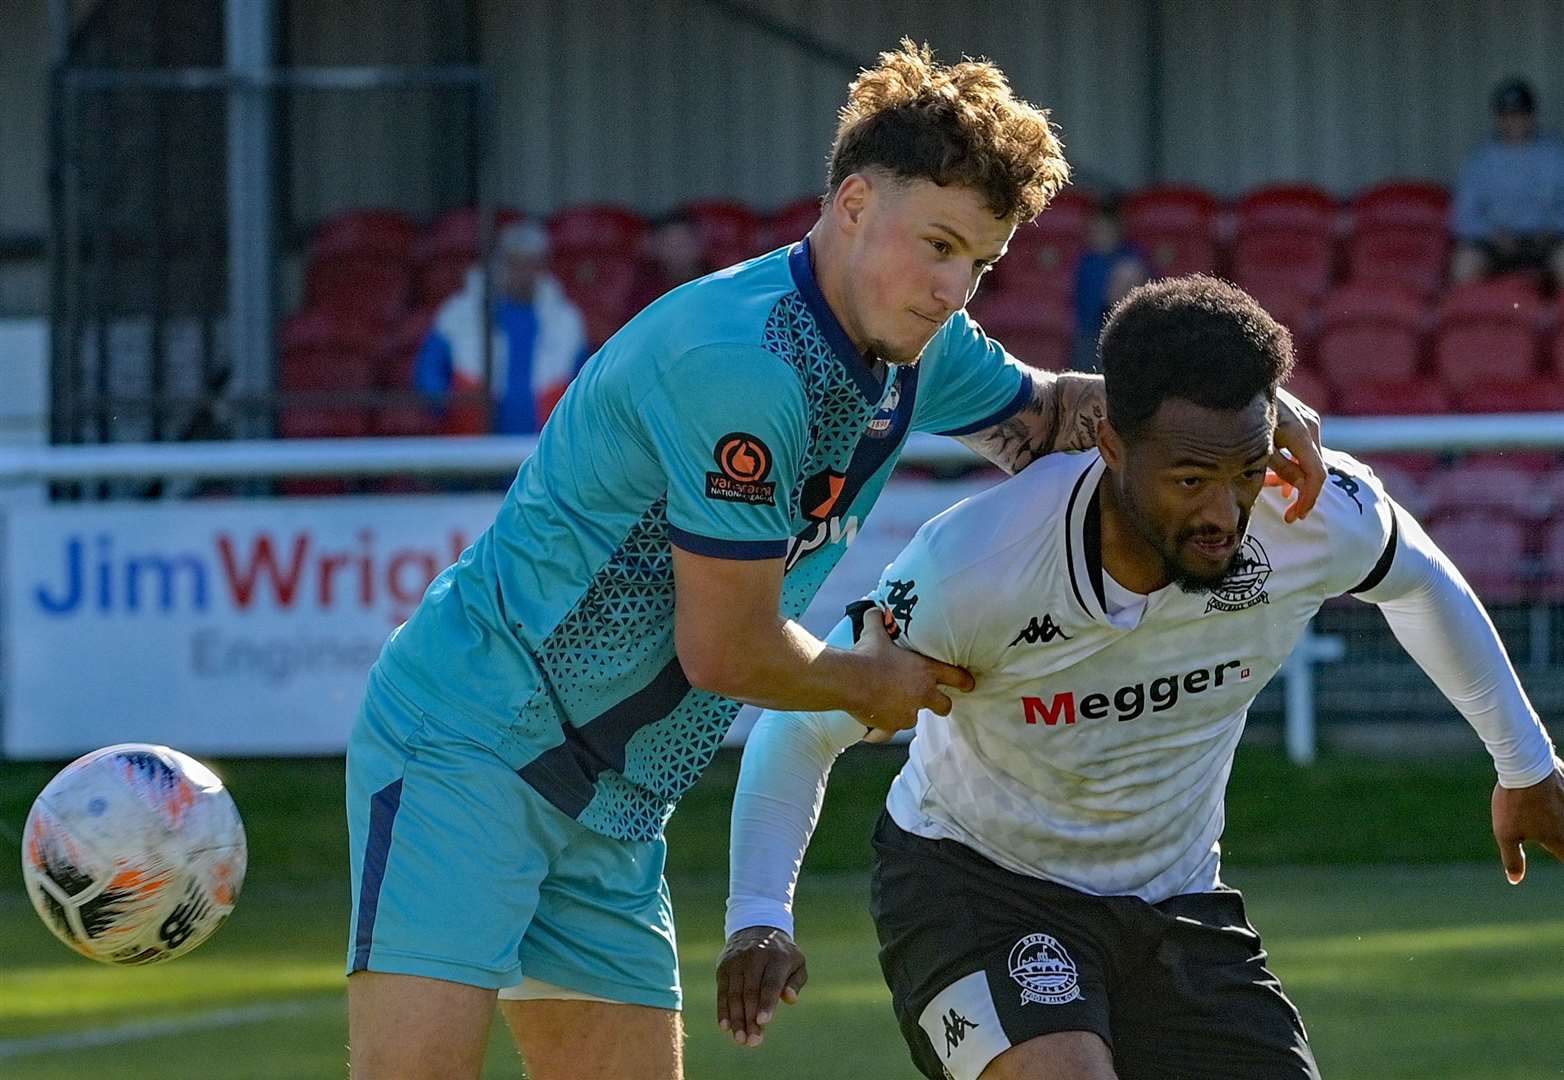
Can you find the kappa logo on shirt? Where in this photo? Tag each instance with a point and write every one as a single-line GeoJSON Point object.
{"type": "Point", "coordinates": [1348, 483]}
{"type": "Point", "coordinates": [745, 462]}
{"type": "Point", "coordinates": [1035, 631]}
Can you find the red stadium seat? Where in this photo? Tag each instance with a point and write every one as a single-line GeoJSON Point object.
{"type": "Point", "coordinates": [1420, 204]}
{"type": "Point", "coordinates": [730, 231]}
{"type": "Point", "coordinates": [1405, 255]}
{"type": "Point", "coordinates": [1309, 386]}
{"type": "Point", "coordinates": [1286, 231]}
{"type": "Point", "coordinates": [1484, 485]}
{"type": "Point", "coordinates": [1055, 239]}
{"type": "Point", "coordinates": [393, 364]}
{"type": "Point", "coordinates": [1489, 548]}
{"type": "Point", "coordinates": [1029, 279]}
{"type": "Point", "coordinates": [1486, 332]}
{"type": "Point", "coordinates": [1368, 331]}
{"type": "Point", "coordinates": [1304, 260]}
{"type": "Point", "coordinates": [1484, 395]}
{"type": "Point", "coordinates": [1300, 208]}
{"type": "Point", "coordinates": [321, 354]}
{"type": "Point", "coordinates": [1370, 397]}
{"type": "Point", "coordinates": [603, 284]}
{"type": "Point", "coordinates": [1175, 226]}
{"type": "Point", "coordinates": [793, 221]}
{"type": "Point", "coordinates": [596, 227]}
{"type": "Point", "coordinates": [1287, 303]}
{"type": "Point", "coordinates": [1403, 484]}
{"type": "Point", "coordinates": [448, 249]}
{"type": "Point", "coordinates": [370, 287]}
{"type": "Point", "coordinates": [1538, 462]}
{"type": "Point", "coordinates": [1039, 329]}
{"type": "Point", "coordinates": [387, 234]}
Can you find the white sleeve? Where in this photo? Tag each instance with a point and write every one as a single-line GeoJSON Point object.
{"type": "Point", "coordinates": [1443, 626]}
{"type": "Point", "coordinates": [787, 760]}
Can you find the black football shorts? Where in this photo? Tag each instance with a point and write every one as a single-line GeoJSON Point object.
{"type": "Point", "coordinates": [980, 959]}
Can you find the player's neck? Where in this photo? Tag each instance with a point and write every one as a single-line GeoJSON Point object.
{"type": "Point", "coordinates": [831, 276]}
{"type": "Point", "coordinates": [1126, 555]}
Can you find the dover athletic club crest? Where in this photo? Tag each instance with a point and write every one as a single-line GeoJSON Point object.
{"type": "Point", "coordinates": [1244, 585]}
{"type": "Point", "coordinates": [1044, 970]}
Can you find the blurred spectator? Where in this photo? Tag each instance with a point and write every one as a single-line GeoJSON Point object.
{"type": "Point", "coordinates": [1109, 267]}
{"type": "Point", "coordinates": [671, 254]}
{"type": "Point", "coordinates": [539, 337]}
{"type": "Point", "coordinates": [1508, 212]}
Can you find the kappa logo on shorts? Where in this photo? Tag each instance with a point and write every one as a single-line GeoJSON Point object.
{"type": "Point", "coordinates": [1044, 971]}
{"type": "Point", "coordinates": [745, 462]}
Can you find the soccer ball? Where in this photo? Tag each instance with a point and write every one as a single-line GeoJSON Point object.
{"type": "Point", "coordinates": [134, 854]}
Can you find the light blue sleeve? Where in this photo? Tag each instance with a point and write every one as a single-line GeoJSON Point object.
{"type": "Point", "coordinates": [968, 381]}
{"type": "Point", "coordinates": [728, 425]}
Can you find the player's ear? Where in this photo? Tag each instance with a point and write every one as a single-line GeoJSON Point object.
{"type": "Point", "coordinates": [1111, 445]}
{"type": "Point", "coordinates": [852, 197]}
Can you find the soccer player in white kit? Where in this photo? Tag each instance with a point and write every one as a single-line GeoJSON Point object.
{"type": "Point", "coordinates": [1046, 887]}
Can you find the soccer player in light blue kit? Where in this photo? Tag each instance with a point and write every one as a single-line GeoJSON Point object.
{"type": "Point", "coordinates": [526, 734]}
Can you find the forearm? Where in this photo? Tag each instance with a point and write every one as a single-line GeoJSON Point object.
{"type": "Point", "coordinates": [1444, 628]}
{"type": "Point", "coordinates": [784, 666]}
{"type": "Point", "coordinates": [787, 761]}
{"type": "Point", "coordinates": [1062, 415]}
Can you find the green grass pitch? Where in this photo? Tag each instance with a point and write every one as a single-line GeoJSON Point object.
{"type": "Point", "coordinates": [1386, 915]}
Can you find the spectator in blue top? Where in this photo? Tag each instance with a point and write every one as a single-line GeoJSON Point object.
{"type": "Point", "coordinates": [1509, 200]}
{"type": "Point", "coordinates": [1108, 269]}
{"type": "Point", "coordinates": [539, 340]}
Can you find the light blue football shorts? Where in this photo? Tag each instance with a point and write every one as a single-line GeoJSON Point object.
{"type": "Point", "coordinates": [461, 871]}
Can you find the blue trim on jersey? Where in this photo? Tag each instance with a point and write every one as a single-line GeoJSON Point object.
{"type": "Point", "coordinates": [871, 453]}
{"type": "Point", "coordinates": [383, 806]}
{"type": "Point", "coordinates": [566, 775]}
{"type": "Point", "coordinates": [799, 262]}
{"type": "Point", "coordinates": [726, 549]}
{"type": "Point", "coordinates": [1013, 406]}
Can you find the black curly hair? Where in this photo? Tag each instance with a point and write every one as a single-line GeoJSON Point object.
{"type": "Point", "coordinates": [1197, 338]}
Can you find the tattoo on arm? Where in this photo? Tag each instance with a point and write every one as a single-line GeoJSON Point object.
{"type": "Point", "coordinates": [1062, 415]}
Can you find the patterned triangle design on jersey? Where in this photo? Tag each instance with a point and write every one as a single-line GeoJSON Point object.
{"type": "Point", "coordinates": [836, 409]}
{"type": "Point", "coordinates": [620, 771]}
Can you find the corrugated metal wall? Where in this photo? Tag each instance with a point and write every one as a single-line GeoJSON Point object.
{"type": "Point", "coordinates": [1344, 92]}
{"type": "Point", "coordinates": [655, 101]}
{"type": "Point", "coordinates": [665, 100]}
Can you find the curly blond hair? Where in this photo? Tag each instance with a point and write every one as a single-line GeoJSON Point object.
{"type": "Point", "coordinates": [955, 124]}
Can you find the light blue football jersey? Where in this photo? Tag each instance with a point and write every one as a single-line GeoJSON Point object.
{"type": "Point", "coordinates": [733, 418]}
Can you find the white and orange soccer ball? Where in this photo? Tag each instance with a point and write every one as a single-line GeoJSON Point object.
{"type": "Point", "coordinates": [134, 854]}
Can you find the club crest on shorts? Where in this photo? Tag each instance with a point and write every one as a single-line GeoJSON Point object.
{"type": "Point", "coordinates": [1044, 971]}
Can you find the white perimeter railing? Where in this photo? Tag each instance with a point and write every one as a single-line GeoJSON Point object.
{"type": "Point", "coordinates": [487, 454]}
{"type": "Point", "coordinates": [501, 453]}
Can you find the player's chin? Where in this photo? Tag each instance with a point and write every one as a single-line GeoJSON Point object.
{"type": "Point", "coordinates": [1200, 572]}
{"type": "Point", "coordinates": [905, 354]}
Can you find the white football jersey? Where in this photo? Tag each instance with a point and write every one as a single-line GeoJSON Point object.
{"type": "Point", "coordinates": [1095, 749]}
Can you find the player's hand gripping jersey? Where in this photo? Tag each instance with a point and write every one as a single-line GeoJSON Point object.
{"type": "Point", "coordinates": [1096, 747]}
{"type": "Point", "coordinates": [732, 418]}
